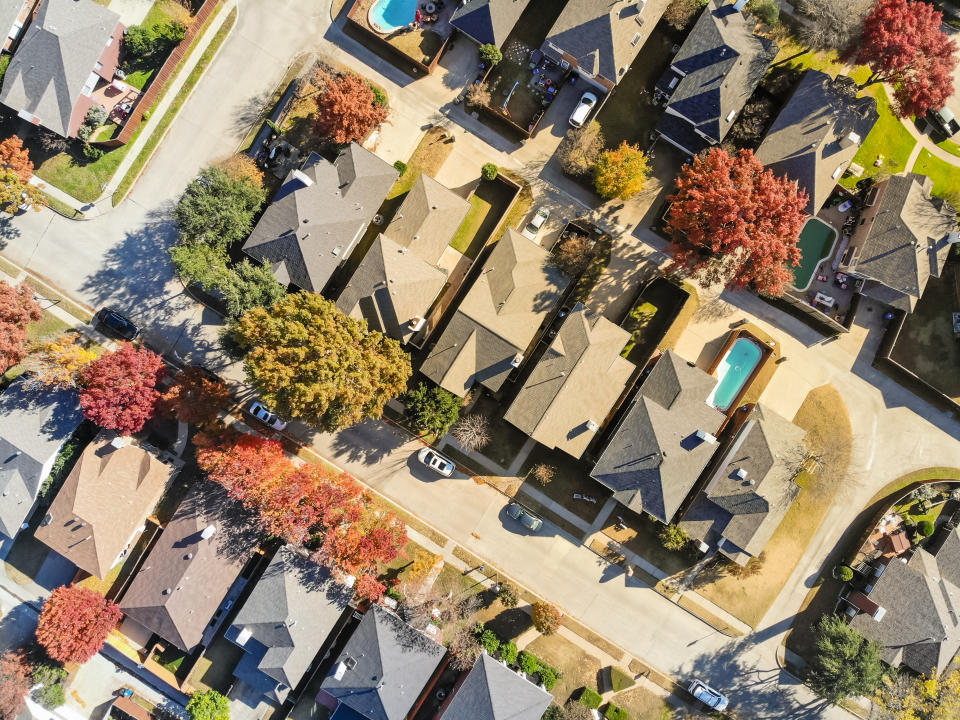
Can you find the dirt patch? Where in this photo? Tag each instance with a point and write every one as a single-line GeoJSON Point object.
{"type": "Point", "coordinates": [639, 534]}
{"type": "Point", "coordinates": [642, 704]}
{"type": "Point", "coordinates": [578, 668]}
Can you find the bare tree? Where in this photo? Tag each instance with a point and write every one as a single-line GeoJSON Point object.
{"type": "Point", "coordinates": [580, 149]}
{"type": "Point", "coordinates": [753, 567]}
{"type": "Point", "coordinates": [573, 255]}
{"type": "Point", "coordinates": [439, 607]}
{"type": "Point", "coordinates": [478, 94]}
{"type": "Point", "coordinates": [833, 25]}
{"type": "Point", "coordinates": [472, 431]}
{"type": "Point", "coordinates": [464, 648]}
{"type": "Point", "coordinates": [543, 473]}
{"type": "Point", "coordinates": [680, 13]}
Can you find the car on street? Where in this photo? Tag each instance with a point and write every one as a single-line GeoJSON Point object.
{"type": "Point", "coordinates": [117, 324]}
{"type": "Point", "coordinates": [531, 229]}
{"type": "Point", "coordinates": [708, 696]}
{"type": "Point", "coordinates": [258, 410]}
{"type": "Point", "coordinates": [524, 517]}
{"type": "Point", "coordinates": [435, 461]}
{"type": "Point", "coordinates": [582, 111]}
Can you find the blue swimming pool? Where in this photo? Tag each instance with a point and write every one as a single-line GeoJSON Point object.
{"type": "Point", "coordinates": [389, 15]}
{"type": "Point", "coordinates": [733, 372]}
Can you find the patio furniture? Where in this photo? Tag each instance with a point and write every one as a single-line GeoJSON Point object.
{"type": "Point", "coordinates": [535, 57]}
{"type": "Point", "coordinates": [824, 299]}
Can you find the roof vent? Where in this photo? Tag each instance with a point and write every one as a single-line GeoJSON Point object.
{"type": "Point", "coordinates": [167, 591]}
{"type": "Point", "coordinates": [849, 140]}
{"type": "Point", "coordinates": [592, 426]}
{"type": "Point", "coordinates": [118, 442]}
{"type": "Point", "coordinates": [741, 473]}
{"type": "Point", "coordinates": [878, 615]}
{"type": "Point", "coordinates": [704, 436]}
{"type": "Point", "coordinates": [208, 532]}
{"type": "Point", "coordinates": [340, 671]}
{"type": "Point", "coordinates": [731, 115]}
{"type": "Point", "coordinates": [243, 636]}
{"type": "Point", "coordinates": [517, 359]}
{"type": "Point", "coordinates": [302, 178]}
{"type": "Point", "coordinates": [838, 172]}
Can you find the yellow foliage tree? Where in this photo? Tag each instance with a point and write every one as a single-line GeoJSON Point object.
{"type": "Point", "coordinates": [14, 193]}
{"type": "Point", "coordinates": [423, 563]}
{"type": "Point", "coordinates": [242, 167]}
{"type": "Point", "coordinates": [621, 173]}
{"type": "Point", "coordinates": [58, 362]}
{"type": "Point", "coordinates": [920, 698]}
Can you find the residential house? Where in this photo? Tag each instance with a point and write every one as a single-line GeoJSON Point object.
{"type": "Point", "coordinates": [285, 621]}
{"type": "Point", "coordinates": [401, 275]}
{"type": "Point", "coordinates": [70, 47]}
{"type": "Point", "coordinates": [14, 17]}
{"type": "Point", "coordinates": [103, 504]}
{"type": "Point", "coordinates": [598, 40]}
{"type": "Point", "coordinates": [383, 670]}
{"type": "Point", "coordinates": [186, 576]}
{"type": "Point", "coordinates": [712, 76]}
{"type": "Point", "coordinates": [902, 239]}
{"type": "Point", "coordinates": [487, 21]}
{"type": "Point", "coordinates": [817, 133]}
{"type": "Point", "coordinates": [664, 440]}
{"type": "Point", "coordinates": [753, 486]}
{"type": "Point", "coordinates": [912, 610]}
{"type": "Point", "coordinates": [492, 691]}
{"type": "Point", "coordinates": [566, 399]}
{"type": "Point", "coordinates": [318, 215]}
{"type": "Point", "coordinates": [498, 318]}
{"type": "Point", "coordinates": [34, 424]}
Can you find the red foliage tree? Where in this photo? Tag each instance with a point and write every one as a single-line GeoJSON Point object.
{"type": "Point", "coordinates": [903, 44]}
{"type": "Point", "coordinates": [15, 683]}
{"type": "Point", "coordinates": [194, 397]}
{"type": "Point", "coordinates": [732, 221]}
{"type": "Point", "coordinates": [346, 108]}
{"type": "Point", "coordinates": [378, 537]}
{"type": "Point", "coordinates": [119, 388]}
{"type": "Point", "coordinates": [243, 464]}
{"type": "Point", "coordinates": [369, 588]}
{"type": "Point", "coordinates": [14, 157]}
{"type": "Point", "coordinates": [74, 623]}
{"type": "Point", "coordinates": [17, 310]}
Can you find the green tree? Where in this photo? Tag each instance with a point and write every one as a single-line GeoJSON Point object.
{"type": "Point", "coordinates": [489, 171]}
{"type": "Point", "coordinates": [208, 705]}
{"type": "Point", "coordinates": [245, 286]}
{"type": "Point", "coordinates": [310, 361]}
{"type": "Point", "coordinates": [432, 409]}
{"type": "Point", "coordinates": [621, 173]}
{"type": "Point", "coordinates": [674, 537]}
{"type": "Point", "coordinates": [218, 210]}
{"type": "Point", "coordinates": [490, 54]}
{"type": "Point", "coordinates": [846, 662]}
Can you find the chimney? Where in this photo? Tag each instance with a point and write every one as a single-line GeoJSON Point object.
{"type": "Point", "coordinates": [953, 237]}
{"type": "Point", "coordinates": [706, 437]}
{"type": "Point", "coordinates": [302, 178]}
{"type": "Point", "coordinates": [592, 426]}
{"type": "Point", "coordinates": [208, 532]}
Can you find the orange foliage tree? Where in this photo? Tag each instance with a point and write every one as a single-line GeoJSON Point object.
{"type": "Point", "coordinates": [346, 108]}
{"type": "Point", "coordinates": [74, 623]}
{"type": "Point", "coordinates": [13, 156]}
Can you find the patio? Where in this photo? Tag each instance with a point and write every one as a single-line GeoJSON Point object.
{"type": "Point", "coordinates": [887, 540]}
{"type": "Point", "coordinates": [524, 85]}
{"type": "Point", "coordinates": [117, 98]}
{"type": "Point", "coordinates": [420, 41]}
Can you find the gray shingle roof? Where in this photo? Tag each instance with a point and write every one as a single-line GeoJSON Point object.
{"type": "Point", "coordinates": [186, 576]}
{"type": "Point", "coordinates": [720, 63]}
{"type": "Point", "coordinates": [599, 35]}
{"type": "Point", "coordinates": [746, 511]}
{"type": "Point", "coordinates": [654, 457]}
{"type": "Point", "coordinates": [497, 318]}
{"type": "Point", "coordinates": [34, 423]}
{"type": "Point", "coordinates": [810, 140]}
{"type": "Point", "coordinates": [905, 240]}
{"type": "Point", "coordinates": [390, 288]}
{"type": "Point", "coordinates": [577, 381]}
{"type": "Point", "coordinates": [285, 621]}
{"type": "Point", "coordinates": [491, 691]}
{"type": "Point", "coordinates": [391, 664]}
{"type": "Point", "coordinates": [427, 219]}
{"type": "Point", "coordinates": [55, 58]}
{"type": "Point", "coordinates": [921, 604]}
{"type": "Point", "coordinates": [488, 21]}
{"type": "Point", "coordinates": [312, 226]}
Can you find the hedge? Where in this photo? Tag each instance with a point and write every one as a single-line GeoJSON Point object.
{"type": "Point", "coordinates": [615, 713]}
{"type": "Point", "coordinates": [590, 698]}
{"type": "Point", "coordinates": [620, 679]}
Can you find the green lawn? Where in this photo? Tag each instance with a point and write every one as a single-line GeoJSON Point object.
{"type": "Point", "coordinates": [80, 177]}
{"type": "Point", "coordinates": [471, 223]}
{"type": "Point", "coordinates": [888, 138]}
{"type": "Point", "coordinates": [950, 146]}
{"type": "Point", "coordinates": [157, 13]}
{"type": "Point", "coordinates": [139, 78]}
{"type": "Point", "coordinates": [946, 177]}
{"type": "Point", "coordinates": [794, 54]}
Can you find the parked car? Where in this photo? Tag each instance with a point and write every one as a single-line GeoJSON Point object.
{"type": "Point", "coordinates": [524, 517]}
{"type": "Point", "coordinates": [583, 109]}
{"type": "Point", "coordinates": [261, 413]}
{"type": "Point", "coordinates": [117, 324]}
{"type": "Point", "coordinates": [435, 461]}
{"type": "Point", "coordinates": [531, 229]}
{"type": "Point", "coordinates": [708, 696]}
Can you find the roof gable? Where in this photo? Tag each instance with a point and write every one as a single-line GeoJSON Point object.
{"type": "Point", "coordinates": [488, 21]}
{"type": "Point", "coordinates": [427, 219]}
{"type": "Point", "coordinates": [491, 691]}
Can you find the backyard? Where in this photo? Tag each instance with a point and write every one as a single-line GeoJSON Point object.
{"type": "Point", "coordinates": [927, 345]}
{"type": "Point", "coordinates": [420, 44]}
{"type": "Point", "coordinates": [888, 138]}
{"type": "Point", "coordinates": [489, 202]}
{"type": "Point", "coordinates": [650, 318]}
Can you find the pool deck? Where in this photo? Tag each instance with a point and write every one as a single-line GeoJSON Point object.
{"type": "Point", "coordinates": [768, 354]}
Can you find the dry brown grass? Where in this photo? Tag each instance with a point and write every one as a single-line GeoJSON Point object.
{"type": "Point", "coordinates": [642, 704]}
{"type": "Point", "coordinates": [578, 668]}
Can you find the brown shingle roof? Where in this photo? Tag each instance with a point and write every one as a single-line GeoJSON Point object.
{"type": "Point", "coordinates": [103, 501]}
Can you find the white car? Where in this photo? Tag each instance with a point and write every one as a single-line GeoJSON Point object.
{"type": "Point", "coordinates": [583, 109]}
{"type": "Point", "coordinates": [708, 696]}
{"type": "Point", "coordinates": [260, 412]}
{"type": "Point", "coordinates": [435, 461]}
{"type": "Point", "coordinates": [531, 229]}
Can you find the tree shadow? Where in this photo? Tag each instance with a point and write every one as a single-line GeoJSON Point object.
{"type": "Point", "coordinates": [368, 443]}
{"type": "Point", "coordinates": [247, 112]}
{"type": "Point", "coordinates": [8, 231]}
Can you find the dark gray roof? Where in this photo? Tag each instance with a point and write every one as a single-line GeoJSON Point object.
{"type": "Point", "coordinates": [318, 215]}
{"type": "Point", "coordinates": [391, 288]}
{"type": "Point", "coordinates": [603, 37]}
{"type": "Point", "coordinates": [654, 456]}
{"type": "Point", "coordinates": [57, 55]}
{"type": "Point", "coordinates": [906, 238]}
{"type": "Point", "coordinates": [720, 64]}
{"type": "Point", "coordinates": [921, 604]}
{"type": "Point", "coordinates": [384, 667]}
{"type": "Point", "coordinates": [491, 691]}
{"type": "Point", "coordinates": [488, 21]}
{"type": "Point", "coordinates": [745, 511]}
{"type": "Point", "coordinates": [286, 619]}
{"type": "Point", "coordinates": [817, 133]}
{"type": "Point", "coordinates": [498, 317]}
{"type": "Point", "coordinates": [577, 381]}
{"type": "Point", "coordinates": [34, 422]}
{"type": "Point", "coordinates": [186, 576]}
{"type": "Point", "coordinates": [427, 219]}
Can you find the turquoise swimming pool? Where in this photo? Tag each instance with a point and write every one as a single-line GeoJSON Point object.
{"type": "Point", "coordinates": [733, 372]}
{"type": "Point", "coordinates": [389, 15]}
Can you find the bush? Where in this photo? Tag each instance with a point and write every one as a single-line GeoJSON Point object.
{"type": "Point", "coordinates": [529, 663]}
{"type": "Point", "coordinates": [379, 96]}
{"type": "Point", "coordinates": [620, 679]}
{"type": "Point", "coordinates": [489, 171]}
{"type": "Point", "coordinates": [490, 54]}
{"type": "Point", "coordinates": [590, 698]}
{"type": "Point", "coordinates": [546, 618]}
{"type": "Point", "coordinates": [925, 527]}
{"type": "Point", "coordinates": [508, 595]}
{"type": "Point", "coordinates": [400, 166]}
{"type": "Point", "coordinates": [95, 117]}
{"type": "Point", "coordinates": [92, 151]}
{"type": "Point", "coordinates": [766, 10]}
{"type": "Point", "coordinates": [4, 64]}
{"type": "Point", "coordinates": [844, 573]}
{"type": "Point", "coordinates": [508, 653]}
{"type": "Point", "coordinates": [84, 132]}
{"type": "Point", "coordinates": [490, 642]}
{"type": "Point", "coordinates": [394, 593]}
{"type": "Point", "coordinates": [615, 713]}
{"type": "Point", "coordinates": [548, 676]}
{"type": "Point", "coordinates": [554, 712]}
{"type": "Point", "coordinates": [674, 537]}
{"type": "Point", "coordinates": [50, 696]}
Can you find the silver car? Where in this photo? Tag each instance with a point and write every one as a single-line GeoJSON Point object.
{"type": "Point", "coordinates": [533, 227]}
{"type": "Point", "coordinates": [588, 101]}
{"type": "Point", "coordinates": [524, 516]}
{"type": "Point", "coordinates": [435, 461]}
{"type": "Point", "coordinates": [708, 696]}
{"type": "Point", "coordinates": [260, 412]}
